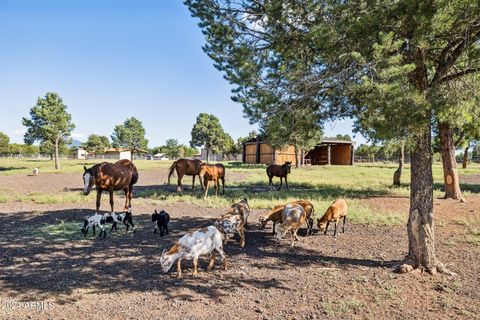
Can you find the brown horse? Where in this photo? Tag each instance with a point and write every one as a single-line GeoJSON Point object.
{"type": "Point", "coordinates": [212, 172]}
{"type": "Point", "coordinates": [274, 170]}
{"type": "Point", "coordinates": [121, 175]}
{"type": "Point", "coordinates": [185, 167]}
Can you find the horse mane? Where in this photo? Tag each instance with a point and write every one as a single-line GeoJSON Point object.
{"type": "Point", "coordinates": [94, 169]}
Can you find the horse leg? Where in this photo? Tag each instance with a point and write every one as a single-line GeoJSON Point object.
{"type": "Point", "coordinates": [111, 199]}
{"type": "Point", "coordinates": [344, 217]}
{"type": "Point", "coordinates": [223, 185]}
{"type": "Point", "coordinates": [193, 183]}
{"type": "Point", "coordinates": [216, 183]}
{"type": "Point", "coordinates": [126, 191]}
{"type": "Point", "coordinates": [206, 189]}
{"type": "Point", "coordinates": [286, 182]}
{"type": "Point", "coordinates": [130, 195]}
{"type": "Point", "coordinates": [179, 182]}
{"type": "Point", "coordinates": [281, 182]}
{"type": "Point", "coordinates": [99, 196]}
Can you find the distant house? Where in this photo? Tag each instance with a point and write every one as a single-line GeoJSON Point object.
{"type": "Point", "coordinates": [160, 156]}
{"type": "Point", "coordinates": [78, 153]}
{"type": "Point", "coordinates": [115, 153]}
{"type": "Point", "coordinates": [215, 157]}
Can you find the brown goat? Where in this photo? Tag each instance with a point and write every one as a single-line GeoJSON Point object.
{"type": "Point", "coordinates": [334, 213]}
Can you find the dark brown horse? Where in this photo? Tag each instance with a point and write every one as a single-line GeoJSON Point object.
{"type": "Point", "coordinates": [121, 175]}
{"type": "Point", "coordinates": [274, 170]}
{"type": "Point", "coordinates": [212, 172]}
{"type": "Point", "coordinates": [185, 167]}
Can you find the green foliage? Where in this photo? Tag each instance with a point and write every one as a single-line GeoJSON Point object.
{"type": "Point", "coordinates": [96, 143]}
{"type": "Point", "coordinates": [22, 149]}
{"type": "Point", "coordinates": [207, 132]}
{"type": "Point", "coordinates": [49, 124]}
{"type": "Point", "coordinates": [130, 135]}
{"type": "Point", "coordinates": [344, 137]}
{"type": "Point", "coordinates": [48, 120]}
{"type": "Point", "coordinates": [172, 149]}
{"type": "Point", "coordinates": [4, 141]}
{"type": "Point", "coordinates": [189, 152]}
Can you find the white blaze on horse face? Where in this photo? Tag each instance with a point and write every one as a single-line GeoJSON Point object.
{"type": "Point", "coordinates": [86, 182]}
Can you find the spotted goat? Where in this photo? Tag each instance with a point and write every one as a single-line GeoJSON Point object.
{"type": "Point", "coordinates": [293, 217]}
{"type": "Point", "coordinates": [275, 215]}
{"type": "Point", "coordinates": [97, 220]}
{"type": "Point", "coordinates": [125, 217]}
{"type": "Point", "coordinates": [234, 221]}
{"type": "Point", "coordinates": [192, 245]}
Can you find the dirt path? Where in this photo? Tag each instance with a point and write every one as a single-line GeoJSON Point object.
{"type": "Point", "coordinates": [321, 278]}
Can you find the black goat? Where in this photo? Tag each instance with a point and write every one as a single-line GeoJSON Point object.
{"type": "Point", "coordinates": [162, 220]}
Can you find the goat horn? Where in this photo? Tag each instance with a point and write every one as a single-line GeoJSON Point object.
{"type": "Point", "coordinates": [163, 252]}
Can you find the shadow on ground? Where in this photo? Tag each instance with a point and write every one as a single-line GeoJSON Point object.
{"type": "Point", "coordinates": [36, 265]}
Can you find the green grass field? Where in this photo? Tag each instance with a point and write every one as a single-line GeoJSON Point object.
{"type": "Point", "coordinates": [319, 184]}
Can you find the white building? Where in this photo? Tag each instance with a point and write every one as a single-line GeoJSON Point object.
{"type": "Point", "coordinates": [78, 153]}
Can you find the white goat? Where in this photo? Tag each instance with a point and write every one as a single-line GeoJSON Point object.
{"type": "Point", "coordinates": [35, 171]}
{"type": "Point", "coordinates": [191, 246]}
{"type": "Point", "coordinates": [97, 220]}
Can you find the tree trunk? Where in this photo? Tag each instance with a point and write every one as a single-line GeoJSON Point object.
{"type": "Point", "coordinates": [397, 176]}
{"type": "Point", "coordinates": [421, 241]}
{"type": "Point", "coordinates": [57, 162]}
{"type": "Point", "coordinates": [297, 161]}
{"type": "Point", "coordinates": [208, 154]}
{"type": "Point", "coordinates": [450, 173]}
{"type": "Point", "coordinates": [420, 228]}
{"type": "Point", "coordinates": [302, 157]}
{"type": "Point", "coordinates": [465, 156]}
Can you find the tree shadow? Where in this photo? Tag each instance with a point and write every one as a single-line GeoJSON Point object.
{"type": "Point", "coordinates": [36, 265]}
{"type": "Point", "coordinates": [3, 169]}
{"type": "Point", "coordinates": [468, 187]}
{"type": "Point", "coordinates": [263, 191]}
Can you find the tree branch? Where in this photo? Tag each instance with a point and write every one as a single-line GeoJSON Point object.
{"type": "Point", "coordinates": [460, 139]}
{"type": "Point", "coordinates": [459, 74]}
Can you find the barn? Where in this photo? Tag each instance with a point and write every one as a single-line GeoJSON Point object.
{"type": "Point", "coordinates": [329, 151]}
{"type": "Point", "coordinates": [332, 151]}
{"type": "Point", "coordinates": [256, 150]}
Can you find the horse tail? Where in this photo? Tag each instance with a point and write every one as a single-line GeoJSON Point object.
{"type": "Point", "coordinates": [134, 176]}
{"type": "Point", "coordinates": [170, 173]}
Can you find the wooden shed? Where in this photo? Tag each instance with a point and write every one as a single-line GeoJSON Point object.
{"type": "Point", "coordinates": [257, 150]}
{"type": "Point", "coordinates": [332, 151]}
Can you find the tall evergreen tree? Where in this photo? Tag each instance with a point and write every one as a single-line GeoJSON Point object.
{"type": "Point", "coordinates": [49, 123]}
{"type": "Point", "coordinates": [394, 60]}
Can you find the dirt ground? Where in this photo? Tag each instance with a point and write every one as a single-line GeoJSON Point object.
{"type": "Point", "coordinates": [347, 277]}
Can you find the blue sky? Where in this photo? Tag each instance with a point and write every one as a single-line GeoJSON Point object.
{"type": "Point", "coordinates": [110, 60]}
